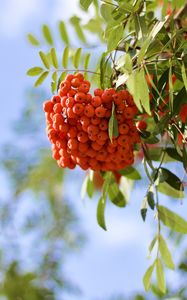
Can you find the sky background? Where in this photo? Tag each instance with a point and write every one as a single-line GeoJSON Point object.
{"type": "Point", "coordinates": [112, 262]}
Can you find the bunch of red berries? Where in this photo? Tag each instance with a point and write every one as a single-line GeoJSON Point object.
{"type": "Point", "coordinates": [77, 126]}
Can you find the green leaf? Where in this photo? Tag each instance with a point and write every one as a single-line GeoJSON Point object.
{"type": "Point", "coordinates": [138, 88]}
{"type": "Point", "coordinates": [184, 77]}
{"type": "Point", "coordinates": [44, 59]}
{"type": "Point", "coordinates": [147, 277]}
{"type": "Point", "coordinates": [106, 12]}
{"type": "Point", "coordinates": [143, 209]}
{"type": "Point", "coordinates": [113, 125]}
{"type": "Point", "coordinates": [170, 87]}
{"type": "Point", "coordinates": [33, 40]}
{"type": "Point", "coordinates": [54, 58]}
{"type": "Point", "coordinates": [65, 57]}
{"type": "Point", "coordinates": [171, 179]}
{"type": "Point", "coordinates": [150, 199]}
{"type": "Point", "coordinates": [86, 60]}
{"type": "Point", "coordinates": [168, 190]}
{"type": "Point", "coordinates": [54, 83]}
{"type": "Point", "coordinates": [165, 253]}
{"type": "Point", "coordinates": [63, 32]}
{"type": "Point", "coordinates": [115, 36]}
{"type": "Point", "coordinates": [76, 58]}
{"type": "Point", "coordinates": [130, 173]}
{"type": "Point", "coordinates": [152, 244]}
{"type": "Point", "coordinates": [101, 212]}
{"type": "Point", "coordinates": [86, 3]}
{"type": "Point", "coordinates": [34, 71]}
{"type": "Point", "coordinates": [115, 195]}
{"type": "Point", "coordinates": [42, 77]}
{"type": "Point", "coordinates": [155, 30]}
{"type": "Point", "coordinates": [172, 220]}
{"type": "Point", "coordinates": [160, 276]}
{"type": "Point", "coordinates": [75, 21]}
{"type": "Point", "coordinates": [47, 34]}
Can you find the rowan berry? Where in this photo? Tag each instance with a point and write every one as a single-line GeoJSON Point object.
{"type": "Point", "coordinates": [101, 142]}
{"type": "Point", "coordinates": [91, 152]}
{"type": "Point", "coordinates": [75, 82]}
{"type": "Point", "coordinates": [84, 87]}
{"type": "Point", "coordinates": [72, 132]}
{"type": "Point", "coordinates": [123, 140]}
{"type": "Point", "coordinates": [69, 102]}
{"type": "Point", "coordinates": [79, 76]}
{"type": "Point", "coordinates": [88, 98]}
{"type": "Point", "coordinates": [61, 144]}
{"type": "Point", "coordinates": [57, 108]}
{"type": "Point", "coordinates": [72, 144]}
{"type": "Point", "coordinates": [78, 108]}
{"type": "Point", "coordinates": [103, 125]}
{"type": "Point", "coordinates": [55, 154]}
{"type": "Point", "coordinates": [92, 137]}
{"type": "Point", "coordinates": [89, 111]}
{"type": "Point", "coordinates": [83, 147]}
{"type": "Point", "coordinates": [63, 101]}
{"type": "Point", "coordinates": [107, 95]}
{"type": "Point", "coordinates": [100, 111]}
{"type": "Point", "coordinates": [141, 125]}
{"type": "Point", "coordinates": [95, 120]}
{"type": "Point", "coordinates": [102, 135]}
{"type": "Point", "coordinates": [96, 101]}
{"type": "Point", "coordinates": [69, 77]}
{"type": "Point", "coordinates": [58, 119]}
{"type": "Point", "coordinates": [48, 106]}
{"type": "Point", "coordinates": [82, 137]}
{"type": "Point", "coordinates": [84, 120]}
{"type": "Point", "coordinates": [70, 113]}
{"type": "Point", "coordinates": [93, 129]}
{"type": "Point", "coordinates": [108, 114]}
{"type": "Point", "coordinates": [71, 93]}
{"type": "Point", "coordinates": [129, 113]}
{"type": "Point", "coordinates": [98, 92]}
{"type": "Point", "coordinates": [123, 128]}
{"type": "Point", "coordinates": [64, 128]}
{"type": "Point", "coordinates": [80, 97]}
{"type": "Point", "coordinates": [55, 99]}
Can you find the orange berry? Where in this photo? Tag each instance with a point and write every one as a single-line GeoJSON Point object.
{"type": "Point", "coordinates": [92, 129]}
{"type": "Point", "coordinates": [72, 132]}
{"type": "Point", "coordinates": [70, 113]}
{"type": "Point", "coordinates": [102, 135]}
{"type": "Point", "coordinates": [75, 82]}
{"type": "Point", "coordinates": [103, 125]}
{"type": "Point", "coordinates": [95, 120]}
{"type": "Point", "coordinates": [141, 125]}
{"type": "Point", "coordinates": [129, 113]}
{"type": "Point", "coordinates": [100, 111]}
{"type": "Point", "coordinates": [96, 101]}
{"type": "Point", "coordinates": [123, 128]}
{"type": "Point", "coordinates": [55, 99]}
{"type": "Point", "coordinates": [80, 97]}
{"type": "Point", "coordinates": [69, 77]}
{"type": "Point", "coordinates": [83, 147]}
{"type": "Point", "coordinates": [123, 140]}
{"type": "Point", "coordinates": [79, 76]}
{"type": "Point", "coordinates": [57, 108]}
{"type": "Point", "coordinates": [78, 108]}
{"type": "Point", "coordinates": [84, 120]}
{"type": "Point", "coordinates": [89, 111]}
{"type": "Point", "coordinates": [69, 102]}
{"type": "Point", "coordinates": [98, 92]}
{"type": "Point", "coordinates": [82, 137]}
{"type": "Point", "coordinates": [71, 93]}
{"type": "Point", "coordinates": [84, 87]}
{"type": "Point", "coordinates": [58, 118]}
{"type": "Point", "coordinates": [72, 144]}
{"type": "Point", "coordinates": [91, 152]}
{"type": "Point", "coordinates": [48, 106]}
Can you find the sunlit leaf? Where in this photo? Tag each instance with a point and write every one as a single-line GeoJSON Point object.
{"type": "Point", "coordinates": [184, 77]}
{"type": "Point", "coordinates": [54, 58]}
{"type": "Point", "coordinates": [86, 3]}
{"type": "Point", "coordinates": [42, 77]}
{"type": "Point", "coordinates": [76, 58]}
{"type": "Point", "coordinates": [115, 195]}
{"type": "Point", "coordinates": [160, 276]}
{"type": "Point", "coordinates": [130, 173]}
{"type": "Point", "coordinates": [44, 59]}
{"type": "Point", "coordinates": [165, 253]}
{"type": "Point", "coordinates": [114, 37]}
{"type": "Point", "coordinates": [172, 220]}
{"type": "Point", "coordinates": [47, 34]}
{"type": "Point", "coordinates": [63, 32]}
{"type": "Point", "coordinates": [65, 57]}
{"type": "Point", "coordinates": [147, 277]}
{"type": "Point", "coordinates": [35, 71]}
{"type": "Point", "coordinates": [33, 40]}
{"type": "Point", "coordinates": [101, 212]}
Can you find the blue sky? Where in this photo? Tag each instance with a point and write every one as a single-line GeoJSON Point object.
{"type": "Point", "coordinates": [112, 262]}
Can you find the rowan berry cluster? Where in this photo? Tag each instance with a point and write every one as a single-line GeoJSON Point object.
{"type": "Point", "coordinates": [77, 126]}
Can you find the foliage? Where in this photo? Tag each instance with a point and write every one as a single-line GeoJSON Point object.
{"type": "Point", "coordinates": [143, 50]}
